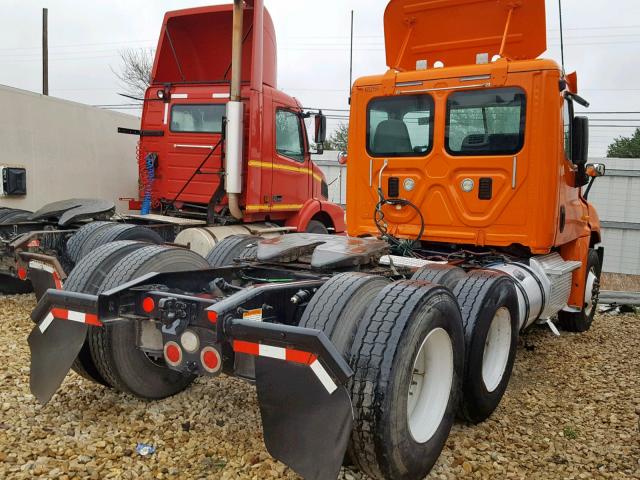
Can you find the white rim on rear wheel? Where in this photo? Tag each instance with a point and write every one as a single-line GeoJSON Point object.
{"type": "Point", "coordinates": [496, 349]}
{"type": "Point", "coordinates": [588, 292]}
{"type": "Point", "coordinates": [430, 386]}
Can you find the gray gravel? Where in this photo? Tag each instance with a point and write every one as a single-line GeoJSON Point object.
{"type": "Point", "coordinates": [572, 410]}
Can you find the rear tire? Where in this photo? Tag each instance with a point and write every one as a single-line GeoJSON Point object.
{"type": "Point", "coordinates": [113, 347]}
{"type": "Point", "coordinates": [87, 277]}
{"type": "Point", "coordinates": [410, 326]}
{"type": "Point", "coordinates": [338, 306]}
{"type": "Point", "coordinates": [241, 247]}
{"type": "Point", "coordinates": [490, 315]}
{"type": "Point", "coordinates": [7, 215]}
{"type": "Point", "coordinates": [15, 216]}
{"type": "Point", "coordinates": [74, 244]}
{"type": "Point", "coordinates": [315, 226]}
{"type": "Point", "coordinates": [441, 274]}
{"type": "Point", "coordinates": [115, 232]}
{"type": "Point", "coordinates": [581, 321]}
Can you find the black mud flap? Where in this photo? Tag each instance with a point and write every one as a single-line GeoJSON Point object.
{"type": "Point", "coordinates": [42, 280]}
{"type": "Point", "coordinates": [52, 354]}
{"type": "Point", "coordinates": [305, 426]}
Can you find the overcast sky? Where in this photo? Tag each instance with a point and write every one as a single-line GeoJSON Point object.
{"type": "Point", "coordinates": [602, 43]}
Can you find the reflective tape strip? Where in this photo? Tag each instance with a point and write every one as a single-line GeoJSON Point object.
{"type": "Point", "coordinates": [41, 266]}
{"type": "Point", "coordinates": [36, 265]}
{"type": "Point", "coordinates": [64, 314]}
{"type": "Point", "coordinates": [220, 95]}
{"type": "Point", "coordinates": [290, 355]}
{"type": "Point", "coordinates": [46, 322]}
{"type": "Point", "coordinates": [179, 95]}
{"type": "Point", "coordinates": [166, 113]}
{"type": "Point", "coordinates": [323, 376]}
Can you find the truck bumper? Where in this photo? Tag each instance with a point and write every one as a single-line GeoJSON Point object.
{"type": "Point", "coordinates": [306, 410]}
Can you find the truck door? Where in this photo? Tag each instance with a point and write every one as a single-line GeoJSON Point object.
{"type": "Point", "coordinates": [291, 161]}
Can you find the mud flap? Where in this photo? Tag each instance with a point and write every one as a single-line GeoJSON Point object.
{"type": "Point", "coordinates": [52, 354]}
{"type": "Point", "coordinates": [42, 280]}
{"type": "Point", "coordinates": [305, 426]}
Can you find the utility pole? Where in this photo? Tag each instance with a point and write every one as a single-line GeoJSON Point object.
{"type": "Point", "coordinates": [351, 57]}
{"type": "Point", "coordinates": [45, 51]}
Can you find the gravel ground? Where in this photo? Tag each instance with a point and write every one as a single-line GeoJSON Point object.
{"type": "Point", "coordinates": [571, 411]}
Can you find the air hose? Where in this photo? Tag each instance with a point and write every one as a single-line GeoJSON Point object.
{"type": "Point", "coordinates": [147, 182]}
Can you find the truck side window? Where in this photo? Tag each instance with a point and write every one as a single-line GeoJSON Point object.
{"type": "Point", "coordinates": [197, 118]}
{"type": "Point", "coordinates": [400, 126]}
{"type": "Point", "coordinates": [289, 140]}
{"type": "Point", "coordinates": [486, 122]}
{"type": "Point", "coordinates": [567, 116]}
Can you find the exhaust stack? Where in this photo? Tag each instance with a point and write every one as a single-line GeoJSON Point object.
{"type": "Point", "coordinates": [235, 117]}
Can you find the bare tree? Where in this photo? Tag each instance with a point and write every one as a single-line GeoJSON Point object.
{"type": "Point", "coordinates": [135, 70]}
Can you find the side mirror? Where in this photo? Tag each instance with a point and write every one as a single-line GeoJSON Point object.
{"type": "Point", "coordinates": [580, 147]}
{"type": "Point", "coordinates": [320, 129]}
{"type": "Point", "coordinates": [595, 170]}
{"type": "Point", "coordinates": [342, 158]}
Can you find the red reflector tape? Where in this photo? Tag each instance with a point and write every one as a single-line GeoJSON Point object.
{"type": "Point", "coordinates": [246, 347]}
{"type": "Point", "coordinates": [298, 356]}
{"type": "Point", "coordinates": [289, 355]}
{"type": "Point", "coordinates": [64, 314]}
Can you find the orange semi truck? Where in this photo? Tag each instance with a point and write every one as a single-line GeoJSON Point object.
{"type": "Point", "coordinates": [467, 225]}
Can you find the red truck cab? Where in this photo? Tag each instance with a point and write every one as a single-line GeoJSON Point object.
{"type": "Point", "coordinates": [182, 150]}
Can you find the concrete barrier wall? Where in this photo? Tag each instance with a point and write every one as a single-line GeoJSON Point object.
{"type": "Point", "coordinates": [69, 149]}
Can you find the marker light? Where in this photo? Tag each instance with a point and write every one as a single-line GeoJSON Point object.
{"type": "Point", "coordinates": [148, 305]}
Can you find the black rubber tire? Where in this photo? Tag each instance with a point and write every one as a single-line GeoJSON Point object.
{"type": "Point", "coordinates": [118, 231]}
{"type": "Point", "coordinates": [580, 321]}
{"type": "Point", "coordinates": [442, 274]}
{"type": "Point", "coordinates": [74, 244]}
{"type": "Point", "coordinates": [6, 214]}
{"type": "Point", "coordinates": [15, 216]}
{"type": "Point", "coordinates": [338, 306]}
{"type": "Point", "coordinates": [113, 350]}
{"type": "Point", "coordinates": [87, 277]}
{"type": "Point", "coordinates": [315, 226]}
{"type": "Point", "coordinates": [386, 344]}
{"type": "Point", "coordinates": [232, 248]}
{"type": "Point", "coordinates": [480, 296]}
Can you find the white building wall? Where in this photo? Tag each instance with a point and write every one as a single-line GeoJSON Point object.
{"type": "Point", "coordinates": [616, 197]}
{"type": "Point", "coordinates": [68, 149]}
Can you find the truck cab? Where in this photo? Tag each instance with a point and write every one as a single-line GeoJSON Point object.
{"type": "Point", "coordinates": [182, 154]}
{"type": "Point", "coordinates": [472, 139]}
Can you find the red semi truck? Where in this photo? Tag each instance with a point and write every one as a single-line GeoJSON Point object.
{"type": "Point", "coordinates": [222, 152]}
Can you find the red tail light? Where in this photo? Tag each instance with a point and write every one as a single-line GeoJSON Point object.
{"type": "Point", "coordinates": [173, 354]}
{"type": "Point", "coordinates": [22, 273]}
{"type": "Point", "coordinates": [148, 305]}
{"type": "Point", "coordinates": [210, 359]}
{"type": "Point", "coordinates": [212, 316]}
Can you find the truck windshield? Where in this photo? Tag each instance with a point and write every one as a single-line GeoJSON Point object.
{"type": "Point", "coordinates": [486, 122]}
{"type": "Point", "coordinates": [400, 126]}
{"type": "Point", "coordinates": [197, 118]}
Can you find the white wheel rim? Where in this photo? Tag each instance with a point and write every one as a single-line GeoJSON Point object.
{"type": "Point", "coordinates": [496, 349]}
{"type": "Point", "coordinates": [588, 292]}
{"type": "Point", "coordinates": [430, 386]}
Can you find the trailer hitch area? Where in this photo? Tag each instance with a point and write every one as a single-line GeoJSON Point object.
{"type": "Point", "coordinates": [62, 320]}
{"type": "Point", "coordinates": [306, 411]}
